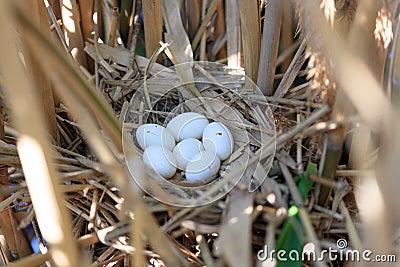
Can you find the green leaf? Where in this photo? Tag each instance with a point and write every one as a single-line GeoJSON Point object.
{"type": "Point", "coordinates": [304, 182]}
{"type": "Point", "coordinates": [291, 238]}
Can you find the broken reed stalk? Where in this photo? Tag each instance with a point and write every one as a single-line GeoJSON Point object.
{"type": "Point", "coordinates": [269, 46]}
{"type": "Point", "coordinates": [114, 23]}
{"type": "Point", "coordinates": [34, 149]}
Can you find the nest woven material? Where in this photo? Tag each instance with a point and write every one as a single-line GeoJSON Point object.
{"type": "Point", "coordinates": [225, 95]}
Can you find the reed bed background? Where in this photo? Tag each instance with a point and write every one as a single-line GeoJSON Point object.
{"type": "Point", "coordinates": [68, 71]}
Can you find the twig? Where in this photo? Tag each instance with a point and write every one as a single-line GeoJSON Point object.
{"type": "Point", "coordinates": [135, 34]}
{"type": "Point", "coordinates": [57, 27]}
{"type": "Point", "coordinates": [93, 210]}
{"type": "Point", "coordinates": [294, 67]}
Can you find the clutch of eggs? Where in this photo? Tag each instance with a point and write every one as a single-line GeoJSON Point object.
{"type": "Point", "coordinates": [200, 148]}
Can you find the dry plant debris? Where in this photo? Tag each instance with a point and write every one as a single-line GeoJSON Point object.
{"type": "Point", "coordinates": [102, 67]}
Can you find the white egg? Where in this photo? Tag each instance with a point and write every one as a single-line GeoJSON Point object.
{"type": "Point", "coordinates": [161, 160]}
{"type": "Point", "coordinates": [218, 138]}
{"type": "Point", "coordinates": [154, 135]}
{"type": "Point", "coordinates": [202, 167]}
{"type": "Point", "coordinates": [187, 125]}
{"type": "Point", "coordinates": [185, 150]}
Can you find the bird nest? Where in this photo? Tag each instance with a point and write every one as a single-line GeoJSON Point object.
{"type": "Point", "coordinates": [221, 94]}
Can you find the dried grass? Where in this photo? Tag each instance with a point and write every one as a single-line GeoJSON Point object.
{"type": "Point", "coordinates": [105, 218]}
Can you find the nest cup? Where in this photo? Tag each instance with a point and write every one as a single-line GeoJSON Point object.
{"type": "Point", "coordinates": [224, 95]}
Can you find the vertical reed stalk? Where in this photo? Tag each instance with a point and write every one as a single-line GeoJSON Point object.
{"type": "Point", "coordinates": [250, 29]}
{"type": "Point", "coordinates": [152, 26]}
{"type": "Point", "coordinates": [34, 149]}
{"type": "Point", "coordinates": [269, 46]}
{"type": "Point", "coordinates": [233, 33]}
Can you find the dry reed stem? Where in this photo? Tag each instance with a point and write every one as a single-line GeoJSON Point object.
{"type": "Point", "coordinates": [134, 33]}
{"type": "Point", "coordinates": [235, 233]}
{"type": "Point", "coordinates": [287, 31]}
{"type": "Point", "coordinates": [56, 25]}
{"type": "Point", "coordinates": [81, 87]}
{"type": "Point", "coordinates": [179, 49]}
{"type": "Point", "coordinates": [375, 109]}
{"type": "Point", "coordinates": [210, 11]}
{"type": "Point", "coordinates": [372, 106]}
{"type": "Point", "coordinates": [113, 29]}
{"type": "Point", "coordinates": [55, 6]}
{"type": "Point", "coordinates": [193, 13]}
{"type": "Point", "coordinates": [153, 26]}
{"type": "Point", "coordinates": [41, 176]}
{"type": "Point", "coordinates": [286, 54]}
{"type": "Point", "coordinates": [361, 39]}
{"type": "Point", "coordinates": [233, 33]}
{"type": "Point", "coordinates": [112, 166]}
{"type": "Point", "coordinates": [269, 46]}
{"type": "Point", "coordinates": [5, 216]}
{"type": "Point", "coordinates": [363, 44]}
{"type": "Point", "coordinates": [351, 228]}
{"type": "Point", "coordinates": [203, 44]}
{"type": "Point", "coordinates": [250, 32]}
{"type": "Point", "coordinates": [219, 31]}
{"type": "Point", "coordinates": [87, 25]}
{"type": "Point", "coordinates": [72, 30]}
{"type": "Point", "coordinates": [293, 70]}
{"type": "Point", "coordinates": [43, 85]}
